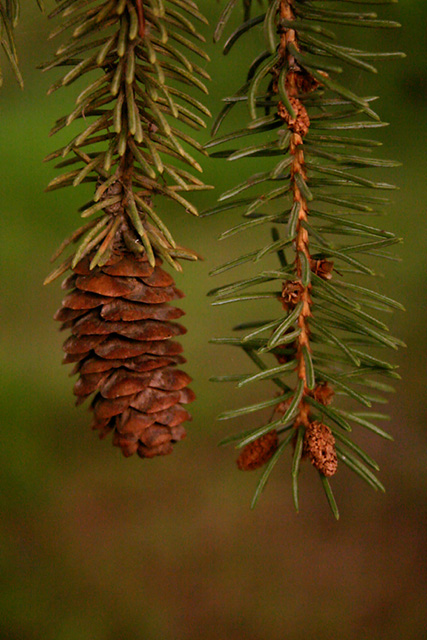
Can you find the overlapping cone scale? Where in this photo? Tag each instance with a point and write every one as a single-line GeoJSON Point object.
{"type": "Point", "coordinates": [122, 343]}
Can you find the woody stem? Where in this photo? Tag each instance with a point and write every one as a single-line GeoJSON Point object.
{"type": "Point", "coordinates": [141, 17]}
{"type": "Point", "coordinates": [302, 247]}
{"type": "Point", "coordinates": [298, 168]}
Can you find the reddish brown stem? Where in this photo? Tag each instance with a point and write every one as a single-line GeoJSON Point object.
{"type": "Point", "coordinates": [299, 127]}
{"type": "Point", "coordinates": [141, 17]}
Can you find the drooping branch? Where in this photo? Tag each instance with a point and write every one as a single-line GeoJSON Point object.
{"type": "Point", "coordinates": [131, 139]}
{"type": "Point", "coordinates": [319, 342]}
{"type": "Point", "coordinates": [118, 308]}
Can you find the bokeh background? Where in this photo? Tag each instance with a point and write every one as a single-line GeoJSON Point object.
{"type": "Point", "coordinates": [96, 547]}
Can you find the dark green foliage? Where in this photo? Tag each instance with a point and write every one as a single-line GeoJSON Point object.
{"type": "Point", "coordinates": [344, 336]}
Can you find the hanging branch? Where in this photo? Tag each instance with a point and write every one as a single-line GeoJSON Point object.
{"type": "Point", "coordinates": [132, 112]}
{"type": "Point", "coordinates": [320, 344]}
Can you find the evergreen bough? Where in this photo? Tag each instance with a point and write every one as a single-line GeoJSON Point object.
{"type": "Point", "coordinates": [321, 341]}
{"type": "Point", "coordinates": [135, 56]}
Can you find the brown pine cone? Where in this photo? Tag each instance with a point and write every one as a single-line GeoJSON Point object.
{"type": "Point", "coordinates": [258, 452]}
{"type": "Point", "coordinates": [122, 329]}
{"type": "Point", "coordinates": [319, 446]}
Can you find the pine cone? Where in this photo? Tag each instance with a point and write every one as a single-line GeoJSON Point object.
{"type": "Point", "coordinates": [319, 446]}
{"type": "Point", "coordinates": [122, 329]}
{"type": "Point", "coordinates": [258, 452]}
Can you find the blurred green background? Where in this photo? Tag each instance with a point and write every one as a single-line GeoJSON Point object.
{"type": "Point", "coordinates": [96, 547]}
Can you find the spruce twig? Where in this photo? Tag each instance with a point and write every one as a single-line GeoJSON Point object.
{"type": "Point", "coordinates": [131, 147]}
{"type": "Point", "coordinates": [298, 111]}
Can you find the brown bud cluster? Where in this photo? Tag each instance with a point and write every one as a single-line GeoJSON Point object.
{"type": "Point", "coordinates": [302, 81]}
{"type": "Point", "coordinates": [322, 268]}
{"type": "Point", "coordinates": [319, 446]}
{"type": "Point", "coordinates": [292, 292]}
{"type": "Point", "coordinates": [323, 393]}
{"type": "Point", "coordinates": [114, 189]}
{"type": "Point", "coordinates": [258, 452]}
{"type": "Point", "coordinates": [122, 328]}
{"type": "Point", "coordinates": [301, 123]}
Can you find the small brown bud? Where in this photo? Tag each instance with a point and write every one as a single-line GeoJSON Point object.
{"type": "Point", "coordinates": [258, 452]}
{"type": "Point", "coordinates": [319, 446]}
{"type": "Point", "coordinates": [322, 268]}
{"type": "Point", "coordinates": [301, 123]}
{"type": "Point", "coordinates": [114, 189]}
{"type": "Point", "coordinates": [323, 393]}
{"type": "Point", "coordinates": [291, 294]}
{"type": "Point", "coordinates": [305, 82]}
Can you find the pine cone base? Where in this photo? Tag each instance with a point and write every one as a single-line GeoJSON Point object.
{"type": "Point", "coordinates": [122, 330]}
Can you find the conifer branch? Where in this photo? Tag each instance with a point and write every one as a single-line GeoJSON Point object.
{"type": "Point", "coordinates": [298, 112]}
{"type": "Point", "coordinates": [138, 54]}
{"type": "Point", "coordinates": [131, 144]}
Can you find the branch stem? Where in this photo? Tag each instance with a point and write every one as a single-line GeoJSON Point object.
{"type": "Point", "coordinates": [141, 18]}
{"type": "Point", "coordinates": [298, 128]}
